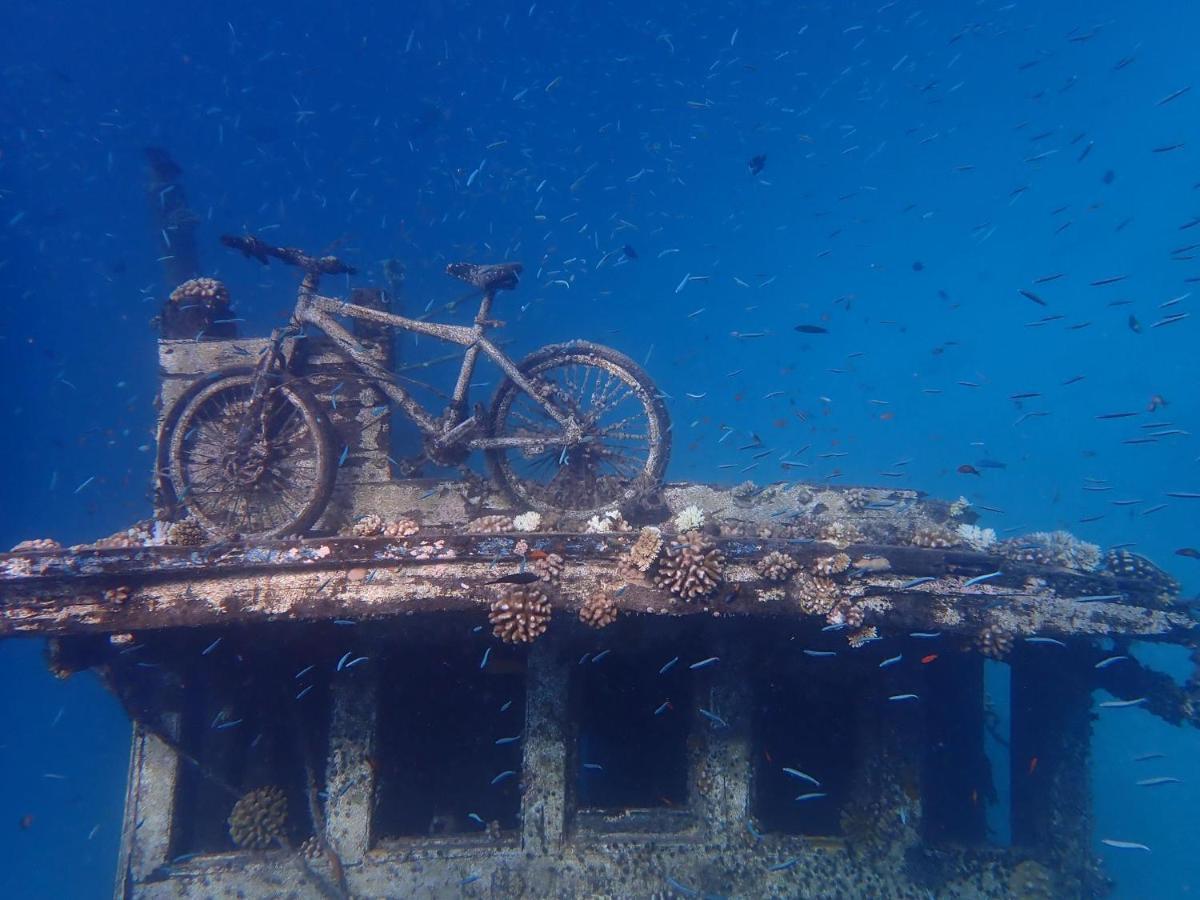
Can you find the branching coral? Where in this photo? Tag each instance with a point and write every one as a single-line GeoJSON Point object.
{"type": "Point", "coordinates": [690, 518]}
{"type": "Point", "coordinates": [690, 568]}
{"type": "Point", "coordinates": [645, 550]}
{"type": "Point", "coordinates": [259, 818]}
{"type": "Point", "coordinates": [1052, 548]}
{"type": "Point", "coordinates": [831, 565]}
{"type": "Point", "coordinates": [527, 521]}
{"type": "Point", "coordinates": [975, 537]}
{"type": "Point", "coordinates": [840, 534]}
{"type": "Point", "coordinates": [549, 568]}
{"type": "Point", "coordinates": [776, 566]}
{"type": "Point", "coordinates": [186, 533]}
{"type": "Point", "coordinates": [848, 613]}
{"type": "Point", "coordinates": [520, 615]}
{"type": "Point", "coordinates": [816, 595]}
{"type": "Point", "coordinates": [607, 523]}
{"type": "Point", "coordinates": [599, 610]}
{"type": "Point", "coordinates": [862, 636]}
{"type": "Point", "coordinates": [934, 537]}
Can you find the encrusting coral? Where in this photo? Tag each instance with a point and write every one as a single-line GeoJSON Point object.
{"type": "Point", "coordinates": [36, 544]}
{"type": "Point", "coordinates": [186, 533]}
{"type": "Point", "coordinates": [490, 525]}
{"type": "Point", "coordinates": [598, 611]}
{"type": "Point", "coordinates": [994, 642]}
{"type": "Point", "coordinates": [776, 566]}
{"type": "Point", "coordinates": [690, 567]}
{"type": "Point", "coordinates": [259, 818]}
{"type": "Point", "coordinates": [206, 291]}
{"type": "Point", "coordinates": [520, 615]}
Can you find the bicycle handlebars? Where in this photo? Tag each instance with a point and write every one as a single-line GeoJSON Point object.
{"type": "Point", "coordinates": [255, 248]}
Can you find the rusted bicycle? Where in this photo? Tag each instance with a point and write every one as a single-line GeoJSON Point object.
{"type": "Point", "coordinates": [575, 427]}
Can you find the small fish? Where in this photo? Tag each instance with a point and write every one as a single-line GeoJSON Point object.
{"type": "Point", "coordinates": [1162, 779]}
{"type": "Point", "coordinates": [926, 660]}
{"type": "Point", "coordinates": [500, 742]}
{"type": "Point", "coordinates": [662, 709]}
{"type": "Point", "coordinates": [1124, 845]}
{"type": "Point", "coordinates": [820, 653]}
{"type": "Point", "coordinates": [704, 663]}
{"type": "Point", "coordinates": [914, 582]}
{"type": "Point", "coordinates": [1190, 552]}
{"type": "Point", "coordinates": [594, 767]}
{"type": "Point", "coordinates": [896, 697]}
{"type": "Point", "coordinates": [1144, 757]}
{"type": "Point", "coordinates": [757, 163]}
{"type": "Point", "coordinates": [483, 662]}
{"type": "Point", "coordinates": [470, 879]}
{"type": "Point", "coordinates": [599, 656]}
{"type": "Point", "coordinates": [978, 579]}
{"type": "Point", "coordinates": [345, 454]}
{"type": "Point", "coordinates": [1030, 295]}
{"type": "Point", "coordinates": [891, 660]}
{"type": "Point", "coordinates": [779, 867]}
{"type": "Point", "coordinates": [515, 578]}
{"type": "Point", "coordinates": [666, 668]}
{"type": "Point", "coordinates": [475, 817]}
{"type": "Point", "coordinates": [210, 648]}
{"type": "Point", "coordinates": [1044, 640]}
{"type": "Point", "coordinates": [812, 795]}
{"type": "Point", "coordinates": [925, 634]}
{"type": "Point", "coordinates": [342, 662]}
{"type": "Point", "coordinates": [804, 776]}
{"type": "Point", "coordinates": [714, 718]}
{"type": "Point", "coordinates": [811, 329]}
{"type": "Point", "coordinates": [1121, 704]}
{"type": "Point", "coordinates": [1108, 661]}
{"type": "Point", "coordinates": [967, 469]}
{"type": "Point", "coordinates": [507, 773]}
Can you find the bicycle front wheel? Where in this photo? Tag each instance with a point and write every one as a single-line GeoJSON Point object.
{"type": "Point", "coordinates": [266, 478]}
{"type": "Point", "coordinates": [626, 432]}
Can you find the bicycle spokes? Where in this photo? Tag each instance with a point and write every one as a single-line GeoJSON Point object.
{"type": "Point", "coordinates": [612, 446]}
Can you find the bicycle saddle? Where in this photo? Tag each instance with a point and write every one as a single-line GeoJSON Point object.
{"type": "Point", "coordinates": [500, 277]}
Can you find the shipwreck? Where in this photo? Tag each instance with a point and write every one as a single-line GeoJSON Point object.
{"type": "Point", "coordinates": [738, 691]}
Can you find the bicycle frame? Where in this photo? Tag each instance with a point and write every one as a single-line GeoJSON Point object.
{"type": "Point", "coordinates": [319, 311]}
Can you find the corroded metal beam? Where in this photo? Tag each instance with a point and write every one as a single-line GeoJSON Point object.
{"type": "Point", "coordinates": [62, 592]}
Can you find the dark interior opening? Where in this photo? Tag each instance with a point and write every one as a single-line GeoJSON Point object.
{"type": "Point", "coordinates": [242, 724]}
{"type": "Point", "coordinates": [956, 776]}
{"type": "Point", "coordinates": [632, 723]}
{"type": "Point", "coordinates": [441, 715]}
{"type": "Point", "coordinates": [806, 720]}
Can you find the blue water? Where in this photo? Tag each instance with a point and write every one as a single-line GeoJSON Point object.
{"type": "Point", "coordinates": [924, 162]}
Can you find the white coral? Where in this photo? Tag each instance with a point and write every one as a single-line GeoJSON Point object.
{"type": "Point", "coordinates": [959, 506]}
{"type": "Point", "coordinates": [607, 523]}
{"type": "Point", "coordinates": [976, 538]}
{"type": "Point", "coordinates": [690, 518]}
{"type": "Point", "coordinates": [529, 521]}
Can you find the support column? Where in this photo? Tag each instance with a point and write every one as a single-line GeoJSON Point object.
{"type": "Point", "coordinates": [544, 767]}
{"type": "Point", "coordinates": [350, 778]}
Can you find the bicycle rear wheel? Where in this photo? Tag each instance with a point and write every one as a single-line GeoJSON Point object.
{"type": "Point", "coordinates": [626, 431]}
{"type": "Point", "coordinates": [272, 484]}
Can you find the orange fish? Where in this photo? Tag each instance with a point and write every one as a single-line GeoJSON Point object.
{"type": "Point", "coordinates": [926, 660]}
{"type": "Point", "coordinates": [1033, 761]}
